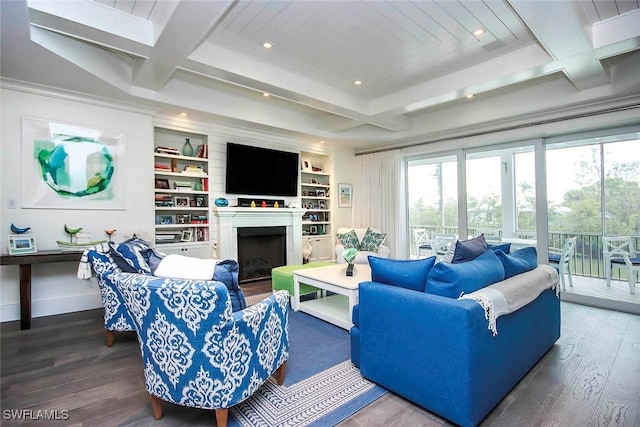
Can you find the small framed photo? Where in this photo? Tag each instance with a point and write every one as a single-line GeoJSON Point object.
{"type": "Point", "coordinates": [201, 201]}
{"type": "Point", "coordinates": [313, 229]}
{"type": "Point", "coordinates": [165, 219]}
{"type": "Point", "coordinates": [322, 205]}
{"type": "Point", "coordinates": [321, 193]}
{"type": "Point", "coordinates": [183, 219]}
{"type": "Point", "coordinates": [186, 235]}
{"type": "Point", "coordinates": [162, 183]}
{"type": "Point", "coordinates": [180, 201]}
{"type": "Point", "coordinates": [305, 164]}
{"type": "Point", "coordinates": [22, 244]}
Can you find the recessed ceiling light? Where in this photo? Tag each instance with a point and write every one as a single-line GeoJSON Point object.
{"type": "Point", "coordinates": [265, 94]}
{"type": "Point", "coordinates": [267, 45]}
{"type": "Point", "coordinates": [357, 82]}
{"type": "Point", "coordinates": [478, 32]}
{"type": "Point", "coordinates": [183, 114]}
{"type": "Point", "coordinates": [470, 96]}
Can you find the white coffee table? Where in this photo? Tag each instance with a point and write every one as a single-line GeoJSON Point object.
{"type": "Point", "coordinates": [336, 308]}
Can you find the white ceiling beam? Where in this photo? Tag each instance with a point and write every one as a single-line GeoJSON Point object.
{"type": "Point", "coordinates": [94, 60]}
{"type": "Point", "coordinates": [337, 124]}
{"type": "Point", "coordinates": [188, 26]}
{"type": "Point", "coordinates": [515, 67]}
{"type": "Point", "coordinates": [263, 76]}
{"type": "Point", "coordinates": [617, 29]}
{"type": "Point", "coordinates": [89, 20]}
{"type": "Point", "coordinates": [563, 34]}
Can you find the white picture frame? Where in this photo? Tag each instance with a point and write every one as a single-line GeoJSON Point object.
{"type": "Point", "coordinates": [186, 235]}
{"type": "Point", "coordinates": [20, 244]}
{"type": "Point", "coordinates": [345, 195]}
{"type": "Point", "coordinates": [181, 202]}
{"type": "Point", "coordinates": [305, 164]}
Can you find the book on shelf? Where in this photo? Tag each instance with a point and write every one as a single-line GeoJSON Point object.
{"type": "Point", "coordinates": [205, 184]}
{"type": "Point", "coordinates": [162, 167]}
{"type": "Point", "coordinates": [167, 150]}
{"type": "Point", "coordinates": [194, 170]}
{"type": "Point", "coordinates": [182, 186]}
{"type": "Point", "coordinates": [202, 235]}
{"type": "Point", "coordinates": [202, 151]}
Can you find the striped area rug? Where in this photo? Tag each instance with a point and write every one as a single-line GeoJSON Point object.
{"type": "Point", "coordinates": [305, 402]}
{"type": "Point", "coordinates": [321, 387]}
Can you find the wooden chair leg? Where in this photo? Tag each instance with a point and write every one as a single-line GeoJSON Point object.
{"type": "Point", "coordinates": [222, 416]}
{"type": "Point", "coordinates": [110, 336]}
{"type": "Point", "coordinates": [156, 407]}
{"type": "Point", "coordinates": [279, 374]}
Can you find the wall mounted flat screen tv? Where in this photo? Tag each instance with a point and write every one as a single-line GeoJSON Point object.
{"type": "Point", "coordinates": [261, 171]}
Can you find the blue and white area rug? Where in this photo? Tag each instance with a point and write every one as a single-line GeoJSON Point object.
{"type": "Point", "coordinates": [321, 385]}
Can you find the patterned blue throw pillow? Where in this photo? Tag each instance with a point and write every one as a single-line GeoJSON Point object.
{"type": "Point", "coordinates": [102, 262]}
{"type": "Point", "coordinates": [129, 255]}
{"type": "Point", "coordinates": [372, 241]}
{"type": "Point", "coordinates": [348, 240]}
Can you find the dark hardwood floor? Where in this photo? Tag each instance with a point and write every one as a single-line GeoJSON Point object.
{"type": "Point", "coordinates": [591, 377]}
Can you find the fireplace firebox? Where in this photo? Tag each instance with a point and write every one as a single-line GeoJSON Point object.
{"type": "Point", "coordinates": [259, 250]}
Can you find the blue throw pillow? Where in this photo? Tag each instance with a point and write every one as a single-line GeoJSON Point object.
{"type": "Point", "coordinates": [226, 271]}
{"type": "Point", "coordinates": [517, 262]}
{"type": "Point", "coordinates": [466, 250]}
{"type": "Point", "coordinates": [408, 274]}
{"type": "Point", "coordinates": [504, 247]}
{"type": "Point", "coordinates": [453, 280]}
{"type": "Point", "coordinates": [152, 258]}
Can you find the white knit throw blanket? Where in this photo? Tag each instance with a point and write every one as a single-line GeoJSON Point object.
{"type": "Point", "coordinates": [513, 293]}
{"type": "Point", "coordinates": [84, 268]}
{"type": "Point", "coordinates": [183, 267]}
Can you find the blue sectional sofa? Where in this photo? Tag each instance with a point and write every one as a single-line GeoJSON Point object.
{"type": "Point", "coordinates": [439, 351]}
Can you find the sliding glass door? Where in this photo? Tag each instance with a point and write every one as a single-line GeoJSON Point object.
{"type": "Point", "coordinates": [593, 189]}
{"type": "Point", "coordinates": [432, 191]}
{"type": "Point", "coordinates": [501, 195]}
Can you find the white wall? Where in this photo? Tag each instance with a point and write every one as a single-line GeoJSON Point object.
{"type": "Point", "coordinates": [55, 288]}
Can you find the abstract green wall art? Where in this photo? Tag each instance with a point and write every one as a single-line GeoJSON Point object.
{"type": "Point", "coordinates": [69, 166]}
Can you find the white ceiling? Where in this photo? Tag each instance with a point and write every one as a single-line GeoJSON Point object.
{"type": "Point", "coordinates": [416, 59]}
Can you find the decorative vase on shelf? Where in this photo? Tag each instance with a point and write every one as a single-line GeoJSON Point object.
{"type": "Point", "coordinates": [187, 148]}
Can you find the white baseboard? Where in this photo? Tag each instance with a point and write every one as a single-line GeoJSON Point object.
{"type": "Point", "coordinates": [10, 312]}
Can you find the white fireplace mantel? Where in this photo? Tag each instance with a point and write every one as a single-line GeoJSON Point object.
{"type": "Point", "coordinates": [231, 218]}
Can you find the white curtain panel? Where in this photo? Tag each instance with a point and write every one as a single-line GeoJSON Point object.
{"type": "Point", "coordinates": [376, 195]}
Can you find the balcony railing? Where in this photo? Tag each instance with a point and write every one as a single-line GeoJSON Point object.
{"type": "Point", "coordinates": [587, 260]}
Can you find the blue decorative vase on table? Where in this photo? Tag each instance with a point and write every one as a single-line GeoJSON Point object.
{"type": "Point", "coordinates": [187, 148]}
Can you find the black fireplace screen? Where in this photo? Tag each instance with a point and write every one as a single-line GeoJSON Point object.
{"type": "Point", "coordinates": [259, 250]}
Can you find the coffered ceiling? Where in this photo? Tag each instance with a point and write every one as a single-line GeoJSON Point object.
{"type": "Point", "coordinates": [414, 59]}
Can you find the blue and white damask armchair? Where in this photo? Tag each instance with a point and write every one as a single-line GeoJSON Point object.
{"type": "Point", "coordinates": [136, 256]}
{"type": "Point", "coordinates": [116, 315]}
{"type": "Point", "coordinates": [196, 351]}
